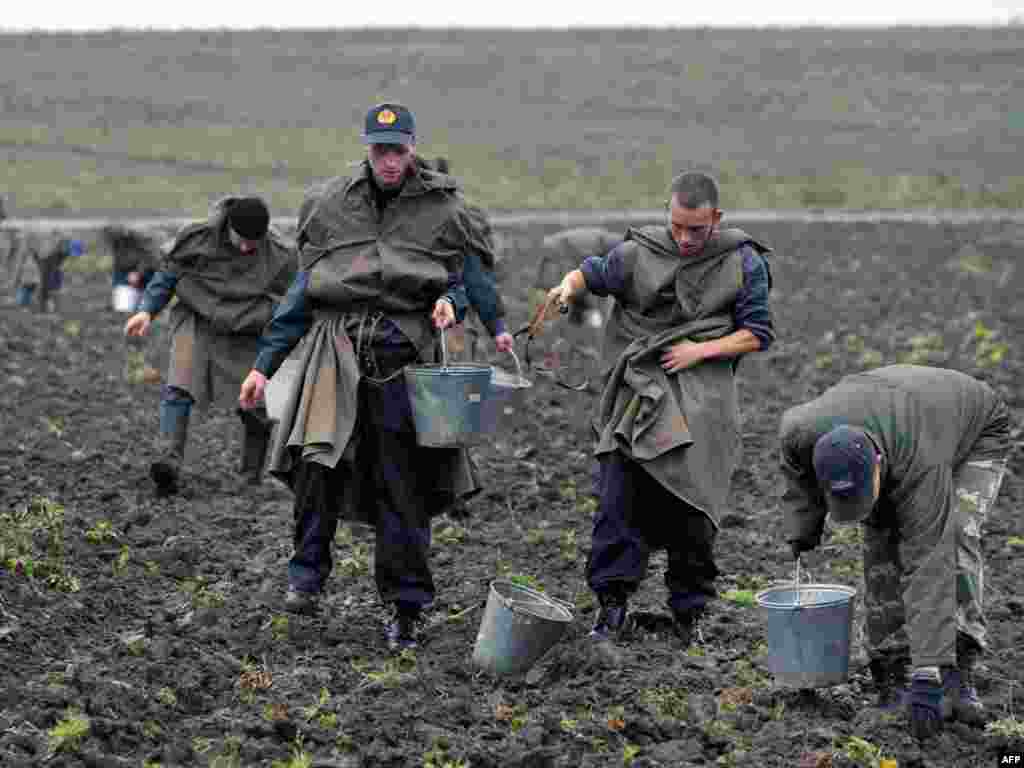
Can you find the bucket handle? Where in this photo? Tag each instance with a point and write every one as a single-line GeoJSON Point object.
{"type": "Point", "coordinates": [444, 351]}
{"type": "Point", "coordinates": [519, 366]}
{"type": "Point", "coordinates": [796, 580]}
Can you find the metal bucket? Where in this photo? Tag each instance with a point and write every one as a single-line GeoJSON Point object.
{"type": "Point", "coordinates": [519, 626]}
{"type": "Point", "coordinates": [447, 401]}
{"type": "Point", "coordinates": [506, 396]}
{"type": "Point", "coordinates": [809, 629]}
{"type": "Point", "coordinates": [126, 298]}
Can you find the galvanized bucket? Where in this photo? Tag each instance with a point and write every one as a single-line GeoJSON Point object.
{"type": "Point", "coordinates": [519, 626]}
{"type": "Point", "coordinates": [447, 401]}
{"type": "Point", "coordinates": [506, 396]}
{"type": "Point", "coordinates": [809, 630]}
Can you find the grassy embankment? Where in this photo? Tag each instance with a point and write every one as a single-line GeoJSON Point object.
{"type": "Point", "coordinates": [183, 168]}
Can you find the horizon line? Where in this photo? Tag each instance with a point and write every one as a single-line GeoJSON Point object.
{"type": "Point", "coordinates": [1009, 22]}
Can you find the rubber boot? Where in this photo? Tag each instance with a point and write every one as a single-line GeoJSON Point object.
{"type": "Point", "coordinates": [166, 469]}
{"type": "Point", "coordinates": [611, 618]}
{"type": "Point", "coordinates": [960, 694]}
{"type": "Point", "coordinates": [686, 624]}
{"type": "Point", "coordinates": [889, 672]}
{"type": "Point", "coordinates": [256, 429]}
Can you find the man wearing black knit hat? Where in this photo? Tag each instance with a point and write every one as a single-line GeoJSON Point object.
{"type": "Point", "coordinates": [228, 274]}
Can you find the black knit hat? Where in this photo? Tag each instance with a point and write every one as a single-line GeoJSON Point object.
{"type": "Point", "coordinates": [249, 217]}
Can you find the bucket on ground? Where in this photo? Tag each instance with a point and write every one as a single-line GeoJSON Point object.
{"type": "Point", "coordinates": [809, 631]}
{"type": "Point", "coordinates": [126, 298]}
{"type": "Point", "coordinates": [447, 400]}
{"type": "Point", "coordinates": [506, 398]}
{"type": "Point", "coordinates": [519, 626]}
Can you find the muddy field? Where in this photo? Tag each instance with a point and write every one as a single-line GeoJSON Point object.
{"type": "Point", "coordinates": [150, 631]}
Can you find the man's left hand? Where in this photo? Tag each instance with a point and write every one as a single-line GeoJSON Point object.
{"type": "Point", "coordinates": [681, 356]}
{"type": "Point", "coordinates": [444, 314]}
{"type": "Point", "coordinates": [504, 342]}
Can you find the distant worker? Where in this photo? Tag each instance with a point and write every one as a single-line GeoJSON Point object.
{"type": "Point", "coordinates": [55, 252]}
{"type": "Point", "coordinates": [228, 273]}
{"type": "Point", "coordinates": [917, 455]}
{"type": "Point", "coordinates": [39, 274]}
{"type": "Point", "coordinates": [480, 280]}
{"type": "Point", "coordinates": [27, 273]}
{"type": "Point", "coordinates": [135, 255]}
{"type": "Point", "coordinates": [565, 250]}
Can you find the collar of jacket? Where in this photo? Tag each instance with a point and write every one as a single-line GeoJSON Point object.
{"type": "Point", "coordinates": [660, 241]}
{"type": "Point", "coordinates": [420, 181]}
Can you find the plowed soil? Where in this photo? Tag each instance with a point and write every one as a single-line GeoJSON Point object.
{"type": "Point", "coordinates": [158, 621]}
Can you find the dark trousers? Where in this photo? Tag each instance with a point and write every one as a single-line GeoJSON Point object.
{"type": "Point", "coordinates": [390, 467]}
{"type": "Point", "coordinates": [637, 515]}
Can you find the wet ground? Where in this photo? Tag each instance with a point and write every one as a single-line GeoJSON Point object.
{"type": "Point", "coordinates": [137, 630]}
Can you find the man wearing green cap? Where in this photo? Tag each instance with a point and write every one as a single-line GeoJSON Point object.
{"type": "Point", "coordinates": [916, 454]}
{"type": "Point", "coordinates": [228, 274]}
{"type": "Point", "coordinates": [381, 255]}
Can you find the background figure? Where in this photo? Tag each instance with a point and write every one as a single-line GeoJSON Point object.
{"type": "Point", "coordinates": [564, 251]}
{"type": "Point", "coordinates": [12, 238]}
{"type": "Point", "coordinates": [27, 272]}
{"type": "Point", "coordinates": [228, 274]}
{"type": "Point", "coordinates": [135, 255]}
{"type": "Point", "coordinates": [56, 250]}
{"type": "Point", "coordinates": [486, 306]}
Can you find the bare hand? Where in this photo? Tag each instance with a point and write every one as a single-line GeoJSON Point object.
{"type": "Point", "coordinates": [138, 324]}
{"type": "Point", "coordinates": [135, 279]}
{"type": "Point", "coordinates": [504, 342]}
{"type": "Point", "coordinates": [444, 314]}
{"type": "Point", "coordinates": [681, 356]}
{"type": "Point", "coordinates": [253, 387]}
{"type": "Point", "coordinates": [562, 293]}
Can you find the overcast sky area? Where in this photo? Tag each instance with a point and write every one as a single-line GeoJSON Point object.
{"type": "Point", "coordinates": [244, 14]}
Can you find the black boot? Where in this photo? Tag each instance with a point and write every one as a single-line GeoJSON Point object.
{"type": "Point", "coordinates": [255, 441]}
{"type": "Point", "coordinates": [960, 693]}
{"type": "Point", "coordinates": [889, 672]}
{"type": "Point", "coordinates": [170, 448]}
{"type": "Point", "coordinates": [686, 623]}
{"type": "Point", "coordinates": [402, 630]}
{"type": "Point", "coordinates": [611, 619]}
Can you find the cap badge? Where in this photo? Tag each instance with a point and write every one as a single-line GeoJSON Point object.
{"type": "Point", "coordinates": [386, 117]}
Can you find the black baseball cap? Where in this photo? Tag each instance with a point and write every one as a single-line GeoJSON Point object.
{"type": "Point", "coordinates": [844, 463]}
{"type": "Point", "coordinates": [389, 124]}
